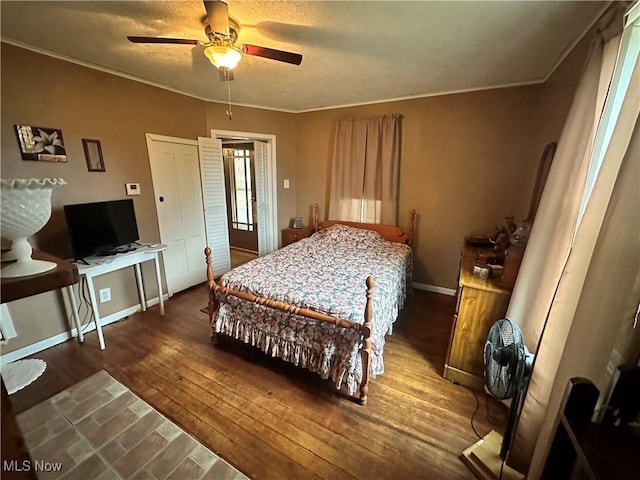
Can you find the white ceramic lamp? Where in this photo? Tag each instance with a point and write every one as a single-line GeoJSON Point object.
{"type": "Point", "coordinates": [26, 208]}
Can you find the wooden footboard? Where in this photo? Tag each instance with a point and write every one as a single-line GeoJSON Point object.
{"type": "Point", "coordinates": [365, 329]}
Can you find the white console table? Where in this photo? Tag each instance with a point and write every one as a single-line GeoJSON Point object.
{"type": "Point", "coordinates": [100, 265]}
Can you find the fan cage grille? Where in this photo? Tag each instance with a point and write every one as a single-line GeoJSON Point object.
{"type": "Point", "coordinates": [504, 359]}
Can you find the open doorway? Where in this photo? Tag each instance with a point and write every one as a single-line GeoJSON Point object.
{"type": "Point", "coordinates": [251, 186]}
{"type": "Point", "coordinates": [240, 186]}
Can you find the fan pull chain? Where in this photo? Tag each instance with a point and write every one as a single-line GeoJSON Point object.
{"type": "Point", "coordinates": [228, 112]}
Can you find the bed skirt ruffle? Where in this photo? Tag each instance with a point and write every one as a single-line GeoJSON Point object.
{"type": "Point", "coordinates": [331, 351]}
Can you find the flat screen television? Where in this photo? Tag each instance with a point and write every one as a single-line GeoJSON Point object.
{"type": "Point", "coordinates": [101, 228]}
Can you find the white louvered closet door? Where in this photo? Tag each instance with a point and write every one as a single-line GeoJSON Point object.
{"type": "Point", "coordinates": [215, 203]}
{"type": "Point", "coordinates": [261, 157]}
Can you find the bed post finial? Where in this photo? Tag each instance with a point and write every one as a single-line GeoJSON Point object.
{"type": "Point", "coordinates": [365, 351]}
{"type": "Point", "coordinates": [213, 304]}
{"type": "Point", "coordinates": [316, 208]}
{"type": "Point", "coordinates": [412, 227]}
{"type": "Point", "coordinates": [210, 279]}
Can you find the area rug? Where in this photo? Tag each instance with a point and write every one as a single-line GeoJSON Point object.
{"type": "Point", "coordinates": [99, 429]}
{"type": "Point", "coordinates": [19, 374]}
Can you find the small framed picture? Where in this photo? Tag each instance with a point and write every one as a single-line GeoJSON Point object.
{"type": "Point", "coordinates": [296, 222]}
{"type": "Point", "coordinates": [93, 155]}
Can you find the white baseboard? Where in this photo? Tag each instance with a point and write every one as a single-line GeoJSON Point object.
{"type": "Point", "coordinates": [433, 288]}
{"type": "Point", "coordinates": [64, 336]}
{"type": "Point", "coordinates": [35, 348]}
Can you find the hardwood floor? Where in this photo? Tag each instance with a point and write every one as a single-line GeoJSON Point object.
{"type": "Point", "coordinates": [272, 420]}
{"type": "Point", "coordinates": [239, 257]}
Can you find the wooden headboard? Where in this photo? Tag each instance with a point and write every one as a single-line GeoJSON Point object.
{"type": "Point", "coordinates": [388, 232]}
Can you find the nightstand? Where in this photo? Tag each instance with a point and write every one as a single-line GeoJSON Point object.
{"type": "Point", "coordinates": [291, 235]}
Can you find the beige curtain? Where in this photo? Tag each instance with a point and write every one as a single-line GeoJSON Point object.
{"type": "Point", "coordinates": [558, 256]}
{"type": "Point", "coordinates": [365, 169]}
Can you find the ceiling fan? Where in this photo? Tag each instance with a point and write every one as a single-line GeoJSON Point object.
{"type": "Point", "coordinates": [221, 49]}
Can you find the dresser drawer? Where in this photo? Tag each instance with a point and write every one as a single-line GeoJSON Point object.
{"type": "Point", "coordinates": [291, 235]}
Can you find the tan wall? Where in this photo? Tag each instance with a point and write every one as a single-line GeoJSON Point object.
{"type": "Point", "coordinates": [556, 96]}
{"type": "Point", "coordinates": [468, 160]}
{"type": "Point", "coordinates": [466, 163]}
{"type": "Point", "coordinates": [41, 91]}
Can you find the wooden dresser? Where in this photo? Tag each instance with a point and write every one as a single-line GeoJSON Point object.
{"type": "Point", "coordinates": [480, 303]}
{"type": "Point", "coordinates": [291, 235]}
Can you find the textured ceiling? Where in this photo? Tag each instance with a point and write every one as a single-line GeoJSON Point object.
{"type": "Point", "coordinates": [354, 52]}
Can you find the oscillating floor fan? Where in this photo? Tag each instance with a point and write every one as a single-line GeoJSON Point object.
{"type": "Point", "coordinates": [507, 367]}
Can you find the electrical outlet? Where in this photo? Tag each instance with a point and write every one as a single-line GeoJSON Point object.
{"type": "Point", "coordinates": [105, 295]}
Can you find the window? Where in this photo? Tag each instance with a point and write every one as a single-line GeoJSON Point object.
{"type": "Point", "coordinates": [239, 167]}
{"type": "Point", "coordinates": [627, 57]}
{"type": "Point", "coordinates": [362, 210]}
{"type": "Point", "coordinates": [365, 170]}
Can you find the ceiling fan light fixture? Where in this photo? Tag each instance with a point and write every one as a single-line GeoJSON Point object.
{"type": "Point", "coordinates": [223, 56]}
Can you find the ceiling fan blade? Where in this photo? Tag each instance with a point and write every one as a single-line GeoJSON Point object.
{"type": "Point", "coordinates": [218, 16]}
{"type": "Point", "coordinates": [279, 55]}
{"type": "Point", "coordinates": [180, 41]}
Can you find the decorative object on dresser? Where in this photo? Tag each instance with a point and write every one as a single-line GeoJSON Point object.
{"type": "Point", "coordinates": [26, 208]}
{"type": "Point", "coordinates": [296, 222]}
{"type": "Point", "coordinates": [292, 235]}
{"type": "Point", "coordinates": [481, 301]}
{"type": "Point", "coordinates": [512, 260]}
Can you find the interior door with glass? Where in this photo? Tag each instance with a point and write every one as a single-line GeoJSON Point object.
{"type": "Point", "coordinates": [240, 179]}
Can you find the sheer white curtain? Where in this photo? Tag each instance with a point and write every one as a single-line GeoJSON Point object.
{"type": "Point", "coordinates": [365, 169]}
{"type": "Point", "coordinates": [560, 247]}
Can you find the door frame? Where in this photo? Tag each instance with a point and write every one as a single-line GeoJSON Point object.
{"type": "Point", "coordinates": [154, 137]}
{"type": "Point", "coordinates": [272, 211]}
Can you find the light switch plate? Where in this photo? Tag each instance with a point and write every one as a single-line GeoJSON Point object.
{"type": "Point", "coordinates": [132, 188]}
{"type": "Point", "coordinates": [286, 183]}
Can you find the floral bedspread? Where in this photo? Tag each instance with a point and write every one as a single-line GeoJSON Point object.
{"type": "Point", "coordinates": [325, 272]}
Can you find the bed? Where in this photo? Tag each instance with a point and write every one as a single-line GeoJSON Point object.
{"type": "Point", "coordinates": [324, 303]}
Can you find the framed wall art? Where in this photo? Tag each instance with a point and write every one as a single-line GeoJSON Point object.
{"type": "Point", "coordinates": [41, 144]}
{"type": "Point", "coordinates": [93, 155]}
